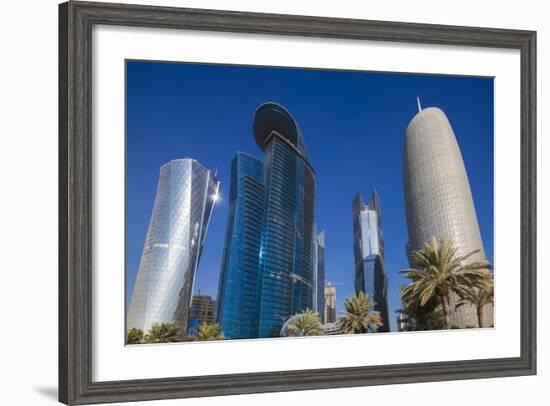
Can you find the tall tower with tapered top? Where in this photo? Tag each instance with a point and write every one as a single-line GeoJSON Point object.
{"type": "Point", "coordinates": [438, 198]}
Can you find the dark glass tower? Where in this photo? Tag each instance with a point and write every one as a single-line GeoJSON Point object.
{"type": "Point", "coordinates": [239, 290]}
{"type": "Point", "coordinates": [267, 266]}
{"type": "Point", "coordinates": [368, 248]}
{"type": "Point", "coordinates": [286, 257]}
{"type": "Point", "coordinates": [319, 275]}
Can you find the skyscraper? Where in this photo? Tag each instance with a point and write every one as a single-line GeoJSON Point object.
{"type": "Point", "coordinates": [330, 303]}
{"type": "Point", "coordinates": [286, 260]}
{"type": "Point", "coordinates": [368, 249]}
{"type": "Point", "coordinates": [186, 193]}
{"type": "Point", "coordinates": [239, 286]}
{"type": "Point", "coordinates": [319, 275]}
{"type": "Point", "coordinates": [438, 198]}
{"type": "Point", "coordinates": [267, 270]}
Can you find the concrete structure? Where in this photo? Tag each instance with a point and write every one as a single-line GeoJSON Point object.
{"type": "Point", "coordinates": [368, 249]}
{"type": "Point", "coordinates": [438, 198]}
{"type": "Point", "coordinates": [184, 201]}
{"type": "Point", "coordinates": [331, 329]}
{"type": "Point", "coordinates": [203, 309]}
{"type": "Point", "coordinates": [319, 275]}
{"type": "Point", "coordinates": [330, 303]}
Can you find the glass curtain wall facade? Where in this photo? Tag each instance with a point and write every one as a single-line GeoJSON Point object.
{"type": "Point", "coordinates": [438, 198]}
{"type": "Point", "coordinates": [239, 290]}
{"type": "Point", "coordinates": [185, 197]}
{"type": "Point", "coordinates": [319, 275]}
{"type": "Point", "coordinates": [267, 265]}
{"type": "Point", "coordinates": [368, 248]}
{"type": "Point", "coordinates": [286, 257]}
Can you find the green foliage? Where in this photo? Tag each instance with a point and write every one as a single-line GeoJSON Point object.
{"type": "Point", "coordinates": [360, 316]}
{"type": "Point", "coordinates": [478, 298]}
{"type": "Point", "coordinates": [209, 332]}
{"type": "Point", "coordinates": [421, 318]}
{"type": "Point", "coordinates": [438, 271]}
{"type": "Point", "coordinates": [134, 336]}
{"type": "Point", "coordinates": [163, 333]}
{"type": "Point", "coordinates": [306, 323]}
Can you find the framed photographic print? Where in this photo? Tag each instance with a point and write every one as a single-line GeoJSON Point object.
{"type": "Point", "coordinates": [259, 202]}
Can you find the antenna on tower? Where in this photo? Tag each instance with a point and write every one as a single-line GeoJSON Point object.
{"type": "Point", "coordinates": [418, 102]}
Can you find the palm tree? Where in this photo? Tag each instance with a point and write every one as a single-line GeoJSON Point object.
{"type": "Point", "coordinates": [360, 316]}
{"type": "Point", "coordinates": [306, 323]}
{"type": "Point", "coordinates": [421, 318]}
{"type": "Point", "coordinates": [134, 336]}
{"type": "Point", "coordinates": [479, 298]}
{"type": "Point", "coordinates": [438, 272]}
{"type": "Point", "coordinates": [209, 332]}
{"type": "Point", "coordinates": [163, 333]}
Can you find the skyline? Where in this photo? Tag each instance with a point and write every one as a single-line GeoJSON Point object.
{"type": "Point", "coordinates": [184, 100]}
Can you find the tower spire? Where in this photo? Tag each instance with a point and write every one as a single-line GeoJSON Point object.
{"type": "Point", "coordinates": [418, 102]}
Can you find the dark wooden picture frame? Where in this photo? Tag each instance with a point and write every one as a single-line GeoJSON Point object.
{"type": "Point", "coordinates": [76, 20]}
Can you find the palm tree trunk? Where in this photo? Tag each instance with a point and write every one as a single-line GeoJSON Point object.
{"type": "Point", "coordinates": [480, 316]}
{"type": "Point", "coordinates": [446, 314]}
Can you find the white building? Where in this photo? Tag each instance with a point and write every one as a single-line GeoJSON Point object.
{"type": "Point", "coordinates": [184, 201]}
{"type": "Point", "coordinates": [438, 198]}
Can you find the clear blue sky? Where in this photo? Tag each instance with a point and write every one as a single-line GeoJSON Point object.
{"type": "Point", "coordinates": [353, 124]}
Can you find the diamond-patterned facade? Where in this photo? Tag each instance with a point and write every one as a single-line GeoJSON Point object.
{"type": "Point", "coordinates": [185, 197]}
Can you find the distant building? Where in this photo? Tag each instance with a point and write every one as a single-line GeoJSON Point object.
{"type": "Point", "coordinates": [319, 275]}
{"type": "Point", "coordinates": [330, 303]}
{"type": "Point", "coordinates": [331, 329]}
{"type": "Point", "coordinates": [402, 322]}
{"type": "Point", "coordinates": [438, 198]}
{"type": "Point", "coordinates": [184, 201]}
{"type": "Point", "coordinates": [267, 269]}
{"type": "Point", "coordinates": [368, 248]}
{"type": "Point", "coordinates": [203, 309]}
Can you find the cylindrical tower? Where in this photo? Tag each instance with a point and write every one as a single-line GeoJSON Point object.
{"type": "Point", "coordinates": [438, 198]}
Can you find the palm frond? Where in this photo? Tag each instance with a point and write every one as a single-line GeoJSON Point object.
{"type": "Point", "coordinates": [438, 271]}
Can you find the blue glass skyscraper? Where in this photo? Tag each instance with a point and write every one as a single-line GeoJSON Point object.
{"type": "Point", "coordinates": [239, 287]}
{"type": "Point", "coordinates": [286, 260]}
{"type": "Point", "coordinates": [368, 248]}
{"type": "Point", "coordinates": [267, 268]}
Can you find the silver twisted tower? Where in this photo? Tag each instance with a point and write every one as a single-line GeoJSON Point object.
{"type": "Point", "coordinates": [185, 198]}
